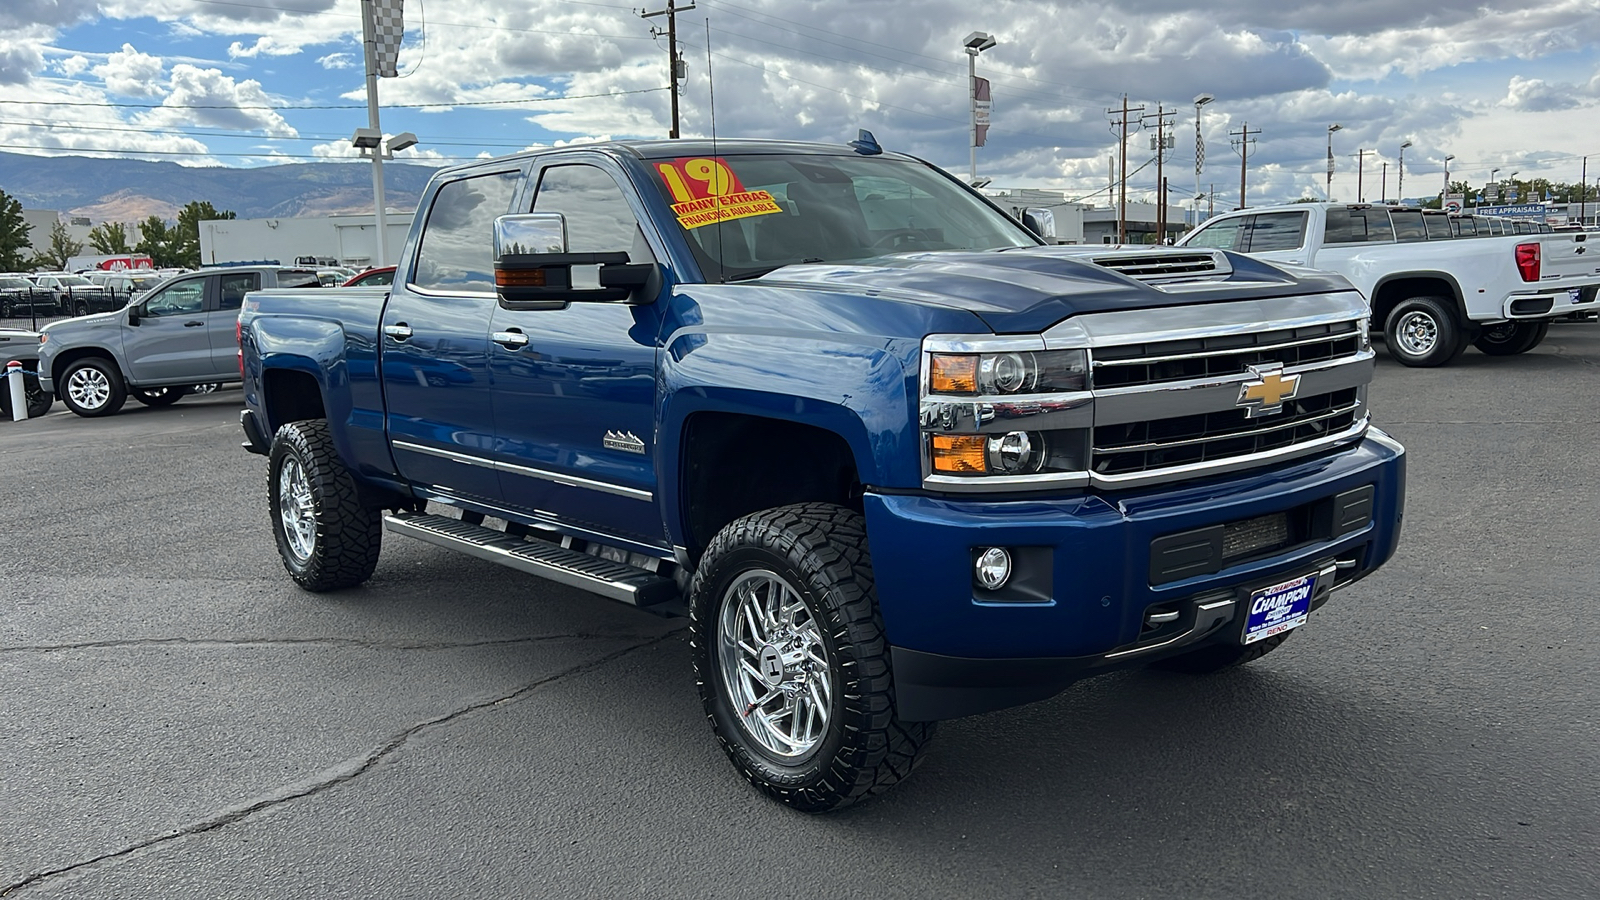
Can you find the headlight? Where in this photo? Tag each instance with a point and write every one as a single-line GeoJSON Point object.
{"type": "Point", "coordinates": [1000, 374]}
{"type": "Point", "coordinates": [1010, 453]}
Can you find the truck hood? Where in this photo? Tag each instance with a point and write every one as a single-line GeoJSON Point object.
{"type": "Point", "coordinates": [82, 324]}
{"type": "Point", "coordinates": [1027, 290]}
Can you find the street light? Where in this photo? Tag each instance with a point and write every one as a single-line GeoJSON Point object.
{"type": "Point", "coordinates": [1400, 188]}
{"type": "Point", "coordinates": [1445, 196]}
{"type": "Point", "coordinates": [1199, 149]}
{"type": "Point", "coordinates": [1513, 180]}
{"type": "Point", "coordinates": [1331, 129]}
{"type": "Point", "coordinates": [975, 43]}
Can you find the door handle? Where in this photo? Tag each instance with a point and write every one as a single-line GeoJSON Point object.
{"type": "Point", "coordinates": [511, 340]}
{"type": "Point", "coordinates": [193, 324]}
{"type": "Point", "coordinates": [399, 331]}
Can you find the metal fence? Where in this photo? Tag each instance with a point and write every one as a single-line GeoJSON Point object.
{"type": "Point", "coordinates": [34, 307]}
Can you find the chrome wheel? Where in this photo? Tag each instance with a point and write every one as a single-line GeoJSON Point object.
{"type": "Point", "coordinates": [89, 388]}
{"type": "Point", "coordinates": [774, 665]}
{"type": "Point", "coordinates": [1417, 333]}
{"type": "Point", "coordinates": [297, 509]}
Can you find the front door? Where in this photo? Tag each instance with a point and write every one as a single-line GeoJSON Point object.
{"type": "Point", "coordinates": [434, 338]}
{"type": "Point", "coordinates": [170, 342]}
{"type": "Point", "coordinates": [575, 388]}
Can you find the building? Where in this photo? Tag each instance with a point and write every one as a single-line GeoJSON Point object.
{"type": "Point", "coordinates": [1069, 215]}
{"type": "Point", "coordinates": [43, 220]}
{"type": "Point", "coordinates": [1100, 223]}
{"type": "Point", "coordinates": [348, 240]}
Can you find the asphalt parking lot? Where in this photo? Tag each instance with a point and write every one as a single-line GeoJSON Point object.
{"type": "Point", "coordinates": [180, 721]}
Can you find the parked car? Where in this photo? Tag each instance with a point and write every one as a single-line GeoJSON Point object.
{"type": "Point", "coordinates": [382, 275]}
{"type": "Point", "coordinates": [127, 285]}
{"type": "Point", "coordinates": [23, 347]}
{"type": "Point", "coordinates": [20, 297]}
{"type": "Point", "coordinates": [75, 295]}
{"type": "Point", "coordinates": [179, 335]}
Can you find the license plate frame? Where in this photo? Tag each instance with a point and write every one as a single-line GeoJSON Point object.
{"type": "Point", "coordinates": [1277, 608]}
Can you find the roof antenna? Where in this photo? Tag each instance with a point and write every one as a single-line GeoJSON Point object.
{"type": "Point", "coordinates": [711, 86]}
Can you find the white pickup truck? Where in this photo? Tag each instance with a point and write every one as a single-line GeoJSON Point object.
{"type": "Point", "coordinates": [1435, 282]}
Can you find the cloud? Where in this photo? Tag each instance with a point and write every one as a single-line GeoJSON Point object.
{"type": "Point", "coordinates": [19, 61]}
{"type": "Point", "coordinates": [343, 149]}
{"type": "Point", "coordinates": [16, 14]}
{"type": "Point", "coordinates": [206, 97]}
{"type": "Point", "coordinates": [72, 66]}
{"type": "Point", "coordinates": [337, 61]}
{"type": "Point", "coordinates": [1537, 95]}
{"type": "Point", "coordinates": [129, 73]}
{"type": "Point", "coordinates": [266, 45]}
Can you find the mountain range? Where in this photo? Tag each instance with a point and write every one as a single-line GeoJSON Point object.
{"type": "Point", "coordinates": [130, 190]}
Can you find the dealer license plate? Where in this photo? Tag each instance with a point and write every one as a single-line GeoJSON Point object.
{"type": "Point", "coordinates": [1274, 610]}
{"type": "Point", "coordinates": [1575, 295]}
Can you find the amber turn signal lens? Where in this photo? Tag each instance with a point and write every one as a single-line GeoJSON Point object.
{"type": "Point", "coordinates": [961, 454]}
{"type": "Point", "coordinates": [954, 375]}
{"type": "Point", "coordinates": [519, 277]}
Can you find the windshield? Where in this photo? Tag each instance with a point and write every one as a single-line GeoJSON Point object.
{"type": "Point", "coordinates": [74, 280]}
{"type": "Point", "coordinates": [15, 283]}
{"type": "Point", "coordinates": [779, 210]}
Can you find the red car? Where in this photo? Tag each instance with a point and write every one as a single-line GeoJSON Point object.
{"type": "Point", "coordinates": [383, 275]}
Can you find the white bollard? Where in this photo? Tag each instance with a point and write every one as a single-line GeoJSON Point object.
{"type": "Point", "coordinates": [19, 396]}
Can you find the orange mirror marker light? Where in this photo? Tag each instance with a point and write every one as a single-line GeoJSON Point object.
{"type": "Point", "coordinates": [519, 277]}
{"type": "Point", "coordinates": [959, 453]}
{"type": "Point", "coordinates": [953, 374]}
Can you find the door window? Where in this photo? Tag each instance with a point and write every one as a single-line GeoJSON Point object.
{"type": "Point", "coordinates": [457, 252]}
{"type": "Point", "coordinates": [178, 299]}
{"type": "Point", "coordinates": [599, 218]}
{"type": "Point", "coordinates": [1277, 231]}
{"type": "Point", "coordinates": [1223, 235]}
{"type": "Point", "coordinates": [234, 287]}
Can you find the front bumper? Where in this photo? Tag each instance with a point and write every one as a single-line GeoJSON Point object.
{"type": "Point", "coordinates": [1085, 587]}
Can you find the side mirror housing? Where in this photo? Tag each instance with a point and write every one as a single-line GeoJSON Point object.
{"type": "Point", "coordinates": [133, 315]}
{"type": "Point", "coordinates": [534, 270]}
{"type": "Point", "coordinates": [1041, 222]}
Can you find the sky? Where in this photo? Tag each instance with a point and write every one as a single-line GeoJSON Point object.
{"type": "Point", "coordinates": [1512, 85]}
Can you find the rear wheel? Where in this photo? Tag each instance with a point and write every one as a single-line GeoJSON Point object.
{"type": "Point", "coordinates": [1423, 332]}
{"type": "Point", "coordinates": [157, 396]}
{"type": "Point", "coordinates": [39, 399]}
{"type": "Point", "coordinates": [791, 660]}
{"type": "Point", "coordinates": [93, 387]}
{"type": "Point", "coordinates": [80, 308]}
{"type": "Point", "coordinates": [327, 538]}
{"type": "Point", "coordinates": [1511, 338]}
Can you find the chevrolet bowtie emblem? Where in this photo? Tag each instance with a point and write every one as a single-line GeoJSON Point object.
{"type": "Point", "coordinates": [1264, 395]}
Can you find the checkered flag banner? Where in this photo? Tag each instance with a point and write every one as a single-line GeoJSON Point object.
{"type": "Point", "coordinates": [388, 27]}
{"type": "Point", "coordinates": [1199, 149]}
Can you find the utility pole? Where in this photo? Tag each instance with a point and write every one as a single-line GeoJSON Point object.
{"type": "Point", "coordinates": [1583, 193]}
{"type": "Point", "coordinates": [1211, 201]}
{"type": "Point", "coordinates": [1361, 165]}
{"type": "Point", "coordinates": [1243, 146]}
{"type": "Point", "coordinates": [1161, 116]}
{"type": "Point", "coordinates": [1122, 170]}
{"type": "Point", "coordinates": [1384, 187]}
{"type": "Point", "coordinates": [674, 58]}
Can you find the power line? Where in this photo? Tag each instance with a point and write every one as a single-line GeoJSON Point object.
{"type": "Point", "coordinates": [110, 105]}
{"type": "Point", "coordinates": [213, 153]}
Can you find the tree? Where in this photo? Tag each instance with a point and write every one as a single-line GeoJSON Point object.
{"type": "Point", "coordinates": [186, 237]}
{"type": "Point", "coordinates": [62, 248]}
{"type": "Point", "coordinates": [110, 237]}
{"type": "Point", "coordinates": [156, 242]}
{"type": "Point", "coordinates": [13, 234]}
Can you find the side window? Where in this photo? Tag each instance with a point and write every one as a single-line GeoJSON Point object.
{"type": "Point", "coordinates": [1277, 231]}
{"type": "Point", "coordinates": [178, 299]}
{"type": "Point", "coordinates": [1438, 227]}
{"type": "Point", "coordinates": [1343, 228]}
{"type": "Point", "coordinates": [234, 287]}
{"type": "Point", "coordinates": [1408, 225]}
{"type": "Point", "coordinates": [1224, 235]}
{"type": "Point", "coordinates": [457, 252]}
{"type": "Point", "coordinates": [599, 219]}
{"type": "Point", "coordinates": [1378, 227]}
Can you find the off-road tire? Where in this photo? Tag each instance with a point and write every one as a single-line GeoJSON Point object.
{"type": "Point", "coordinates": [346, 536]}
{"type": "Point", "coordinates": [1424, 332]}
{"type": "Point", "coordinates": [94, 369]}
{"type": "Point", "coordinates": [1219, 657]}
{"type": "Point", "coordinates": [821, 551]}
{"type": "Point", "coordinates": [1511, 338]}
{"type": "Point", "coordinates": [161, 396]}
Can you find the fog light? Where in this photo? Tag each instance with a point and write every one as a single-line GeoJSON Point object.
{"type": "Point", "coordinates": [993, 568]}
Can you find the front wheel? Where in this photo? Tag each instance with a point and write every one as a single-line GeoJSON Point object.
{"type": "Point", "coordinates": [92, 387]}
{"type": "Point", "coordinates": [159, 396]}
{"type": "Point", "coordinates": [1423, 332]}
{"type": "Point", "coordinates": [327, 538]}
{"type": "Point", "coordinates": [1511, 338]}
{"type": "Point", "coordinates": [39, 399]}
{"type": "Point", "coordinates": [791, 660]}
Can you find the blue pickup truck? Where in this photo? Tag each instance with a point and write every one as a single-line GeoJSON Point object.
{"type": "Point", "coordinates": [896, 458]}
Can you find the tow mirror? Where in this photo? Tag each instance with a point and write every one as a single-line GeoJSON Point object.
{"type": "Point", "coordinates": [1041, 222]}
{"type": "Point", "coordinates": [533, 268]}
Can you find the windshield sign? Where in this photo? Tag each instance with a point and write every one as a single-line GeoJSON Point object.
{"type": "Point", "coordinates": [747, 215]}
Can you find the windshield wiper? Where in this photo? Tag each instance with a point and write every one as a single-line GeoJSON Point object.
{"type": "Point", "coordinates": [757, 273]}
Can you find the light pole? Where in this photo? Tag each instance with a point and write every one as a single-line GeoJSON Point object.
{"type": "Point", "coordinates": [1400, 185]}
{"type": "Point", "coordinates": [1513, 180]}
{"type": "Point", "coordinates": [1331, 129]}
{"type": "Point", "coordinates": [975, 43]}
{"type": "Point", "coordinates": [1444, 196]}
{"type": "Point", "coordinates": [1199, 151]}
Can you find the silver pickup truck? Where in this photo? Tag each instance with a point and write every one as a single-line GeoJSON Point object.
{"type": "Point", "coordinates": [181, 334]}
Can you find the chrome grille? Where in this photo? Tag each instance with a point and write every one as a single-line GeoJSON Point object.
{"type": "Point", "coordinates": [1162, 265]}
{"type": "Point", "coordinates": [1208, 437]}
{"type": "Point", "coordinates": [1222, 355]}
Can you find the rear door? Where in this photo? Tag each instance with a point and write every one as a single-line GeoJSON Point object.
{"type": "Point", "coordinates": [434, 339]}
{"type": "Point", "coordinates": [171, 342]}
{"type": "Point", "coordinates": [222, 320]}
{"type": "Point", "coordinates": [1277, 237]}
